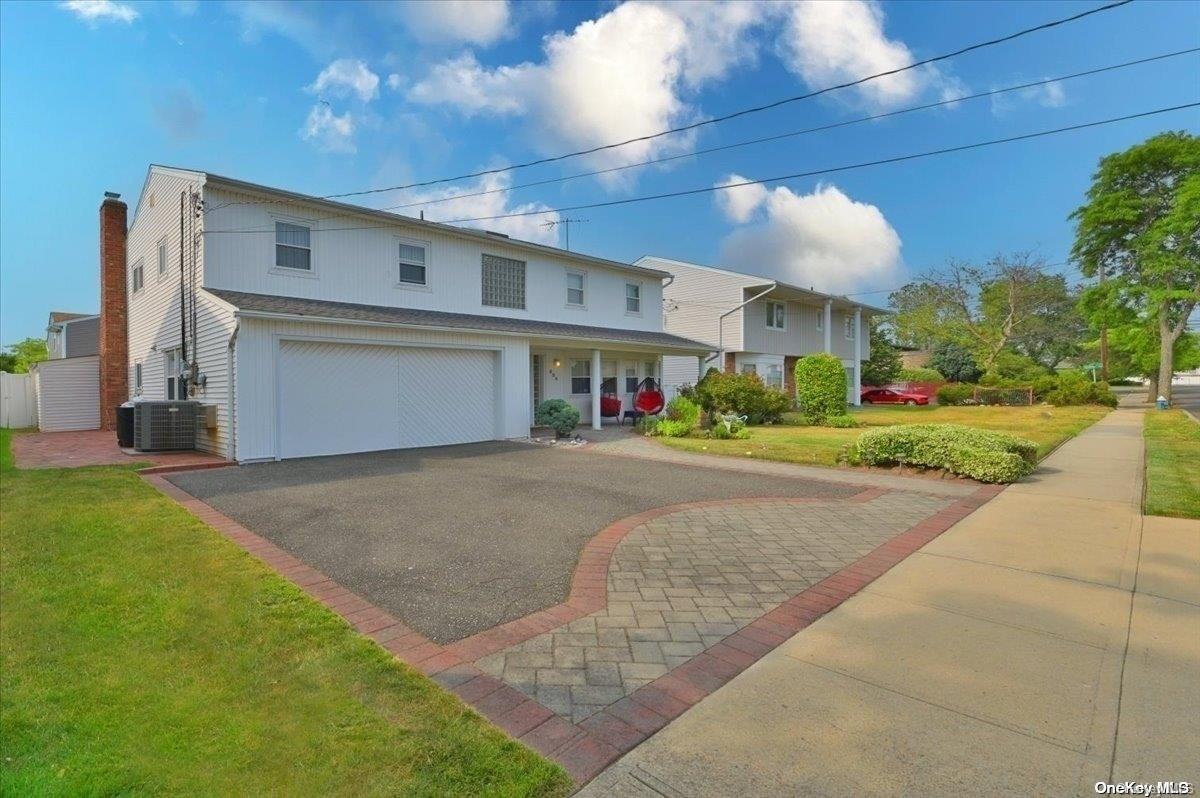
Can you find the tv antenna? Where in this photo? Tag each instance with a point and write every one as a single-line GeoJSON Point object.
{"type": "Point", "coordinates": [566, 223]}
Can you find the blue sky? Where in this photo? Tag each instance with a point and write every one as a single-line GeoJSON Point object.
{"type": "Point", "coordinates": [326, 98]}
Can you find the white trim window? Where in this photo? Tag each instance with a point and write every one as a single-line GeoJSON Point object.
{"type": "Point", "coordinates": [293, 246]}
{"type": "Point", "coordinates": [608, 377]}
{"type": "Point", "coordinates": [576, 289]}
{"type": "Point", "coordinates": [137, 277]}
{"type": "Point", "coordinates": [820, 319]}
{"type": "Point", "coordinates": [749, 368]}
{"type": "Point", "coordinates": [776, 315]}
{"type": "Point", "coordinates": [503, 282]}
{"type": "Point", "coordinates": [848, 320]}
{"type": "Point", "coordinates": [162, 256]}
{"type": "Point", "coordinates": [633, 298]}
{"type": "Point", "coordinates": [412, 256]}
{"type": "Point", "coordinates": [581, 377]}
{"type": "Point", "coordinates": [137, 379]}
{"type": "Point", "coordinates": [631, 378]}
{"type": "Point", "coordinates": [774, 376]}
{"type": "Point", "coordinates": [172, 373]}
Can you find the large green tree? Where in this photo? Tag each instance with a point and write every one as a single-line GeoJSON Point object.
{"type": "Point", "coordinates": [1009, 302]}
{"type": "Point", "coordinates": [884, 364]}
{"type": "Point", "coordinates": [25, 354]}
{"type": "Point", "coordinates": [1139, 231]}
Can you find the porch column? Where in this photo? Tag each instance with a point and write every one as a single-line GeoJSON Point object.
{"type": "Point", "coordinates": [857, 356]}
{"type": "Point", "coordinates": [828, 326]}
{"type": "Point", "coordinates": [596, 380]}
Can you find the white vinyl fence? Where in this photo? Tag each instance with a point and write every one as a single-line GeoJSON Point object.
{"type": "Point", "coordinates": [18, 402]}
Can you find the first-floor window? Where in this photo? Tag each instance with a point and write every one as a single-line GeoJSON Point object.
{"type": "Point", "coordinates": [631, 378]}
{"type": "Point", "coordinates": [651, 367]}
{"type": "Point", "coordinates": [749, 368]}
{"type": "Point", "coordinates": [137, 379]}
{"type": "Point", "coordinates": [139, 277]}
{"type": "Point", "coordinates": [581, 376]}
{"type": "Point", "coordinates": [774, 376]}
{"type": "Point", "coordinates": [172, 371]}
{"type": "Point", "coordinates": [608, 377]}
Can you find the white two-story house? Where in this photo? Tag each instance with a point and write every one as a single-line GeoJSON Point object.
{"type": "Point", "coordinates": [316, 327]}
{"type": "Point", "coordinates": [760, 325]}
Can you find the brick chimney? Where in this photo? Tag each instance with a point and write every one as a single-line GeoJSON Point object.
{"type": "Point", "coordinates": [114, 331]}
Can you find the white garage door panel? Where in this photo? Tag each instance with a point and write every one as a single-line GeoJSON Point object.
{"type": "Point", "coordinates": [341, 398]}
{"type": "Point", "coordinates": [446, 396]}
{"type": "Point", "coordinates": [337, 398]}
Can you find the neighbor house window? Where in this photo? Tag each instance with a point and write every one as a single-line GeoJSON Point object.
{"type": "Point", "coordinates": [503, 282]}
{"type": "Point", "coordinates": [575, 288]}
{"type": "Point", "coordinates": [774, 376]}
{"type": "Point", "coordinates": [137, 379]}
{"type": "Point", "coordinates": [581, 376]}
{"type": "Point", "coordinates": [162, 256]}
{"type": "Point", "coordinates": [139, 277]}
{"type": "Point", "coordinates": [631, 379]}
{"type": "Point", "coordinates": [749, 368]}
{"type": "Point", "coordinates": [293, 246]}
{"type": "Point", "coordinates": [633, 298]}
{"type": "Point", "coordinates": [775, 315]}
{"type": "Point", "coordinates": [412, 262]}
{"type": "Point", "coordinates": [849, 320]}
{"type": "Point", "coordinates": [820, 319]}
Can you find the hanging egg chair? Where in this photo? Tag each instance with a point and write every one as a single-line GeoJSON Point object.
{"type": "Point", "coordinates": [649, 399]}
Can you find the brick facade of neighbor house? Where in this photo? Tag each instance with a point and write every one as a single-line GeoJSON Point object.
{"type": "Point", "coordinates": [114, 341]}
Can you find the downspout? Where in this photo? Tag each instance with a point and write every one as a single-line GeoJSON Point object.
{"type": "Point", "coordinates": [231, 450]}
{"type": "Point", "coordinates": [721, 324]}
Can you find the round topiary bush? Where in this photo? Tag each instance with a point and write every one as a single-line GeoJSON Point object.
{"type": "Point", "coordinates": [558, 414]}
{"type": "Point", "coordinates": [820, 387]}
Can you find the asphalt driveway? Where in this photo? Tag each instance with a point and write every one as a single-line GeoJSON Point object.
{"type": "Point", "coordinates": [457, 539]}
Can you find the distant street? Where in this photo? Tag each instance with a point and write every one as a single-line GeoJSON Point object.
{"type": "Point", "coordinates": [1187, 397]}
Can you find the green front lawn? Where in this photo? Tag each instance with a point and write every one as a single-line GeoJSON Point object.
{"type": "Point", "coordinates": [1045, 426]}
{"type": "Point", "coordinates": [140, 652]}
{"type": "Point", "coordinates": [1172, 464]}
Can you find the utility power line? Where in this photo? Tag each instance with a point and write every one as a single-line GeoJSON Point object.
{"type": "Point", "coordinates": [765, 180]}
{"type": "Point", "coordinates": [741, 112]}
{"type": "Point", "coordinates": [792, 133]}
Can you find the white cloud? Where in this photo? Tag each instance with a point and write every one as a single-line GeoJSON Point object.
{"type": "Point", "coordinates": [330, 132]}
{"type": "Point", "coordinates": [740, 203]}
{"type": "Point", "coordinates": [101, 10]}
{"type": "Point", "coordinates": [525, 228]}
{"type": "Point", "coordinates": [456, 21]}
{"type": "Point", "coordinates": [824, 239]}
{"type": "Point", "coordinates": [347, 76]}
{"type": "Point", "coordinates": [836, 41]}
{"type": "Point", "coordinates": [1048, 95]}
{"type": "Point", "coordinates": [613, 78]}
{"type": "Point", "coordinates": [395, 81]}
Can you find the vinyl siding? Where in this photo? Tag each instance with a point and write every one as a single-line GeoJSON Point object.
{"type": "Point", "coordinates": [68, 394]}
{"type": "Point", "coordinates": [361, 266]}
{"type": "Point", "coordinates": [81, 338]}
{"type": "Point", "coordinates": [154, 323]}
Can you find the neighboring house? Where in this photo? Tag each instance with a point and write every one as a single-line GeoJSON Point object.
{"type": "Point", "coordinates": [316, 327]}
{"type": "Point", "coordinates": [759, 325]}
{"type": "Point", "coordinates": [72, 334]}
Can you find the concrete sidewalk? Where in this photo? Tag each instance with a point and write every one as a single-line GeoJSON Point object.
{"type": "Point", "coordinates": [1049, 641]}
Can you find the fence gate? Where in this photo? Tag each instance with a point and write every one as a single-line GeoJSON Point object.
{"type": "Point", "coordinates": [18, 403]}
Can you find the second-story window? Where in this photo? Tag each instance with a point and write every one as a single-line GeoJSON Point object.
{"type": "Point", "coordinates": [503, 282]}
{"type": "Point", "coordinates": [162, 256]}
{"type": "Point", "coordinates": [137, 277]}
{"type": "Point", "coordinates": [776, 315]}
{"type": "Point", "coordinates": [412, 262]}
{"type": "Point", "coordinates": [849, 327]}
{"type": "Point", "coordinates": [575, 294]}
{"type": "Point", "coordinates": [633, 298]}
{"type": "Point", "coordinates": [293, 246]}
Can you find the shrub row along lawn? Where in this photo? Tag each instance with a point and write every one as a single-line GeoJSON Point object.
{"type": "Point", "coordinates": [140, 652]}
{"type": "Point", "coordinates": [1045, 426]}
{"type": "Point", "coordinates": [1172, 464]}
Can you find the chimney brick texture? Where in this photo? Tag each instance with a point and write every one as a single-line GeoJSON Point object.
{"type": "Point", "coordinates": [114, 315]}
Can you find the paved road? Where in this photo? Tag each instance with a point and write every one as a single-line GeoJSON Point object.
{"type": "Point", "coordinates": [1187, 397]}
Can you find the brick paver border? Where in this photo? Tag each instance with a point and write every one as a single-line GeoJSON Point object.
{"type": "Point", "coordinates": [586, 748]}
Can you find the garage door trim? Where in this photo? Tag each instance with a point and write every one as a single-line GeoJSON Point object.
{"type": "Point", "coordinates": [280, 338]}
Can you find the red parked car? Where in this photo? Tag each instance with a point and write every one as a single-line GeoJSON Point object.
{"type": "Point", "coordinates": [890, 396]}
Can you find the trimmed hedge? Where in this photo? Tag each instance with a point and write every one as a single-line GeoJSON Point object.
{"type": "Point", "coordinates": [980, 454]}
{"type": "Point", "coordinates": [741, 393]}
{"type": "Point", "coordinates": [558, 414]}
{"type": "Point", "coordinates": [921, 375]}
{"type": "Point", "coordinates": [820, 387]}
{"type": "Point", "coordinates": [956, 393]}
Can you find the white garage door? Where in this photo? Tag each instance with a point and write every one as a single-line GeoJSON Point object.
{"type": "Point", "coordinates": [341, 398]}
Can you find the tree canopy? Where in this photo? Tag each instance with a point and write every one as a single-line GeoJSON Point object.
{"type": "Point", "coordinates": [23, 354]}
